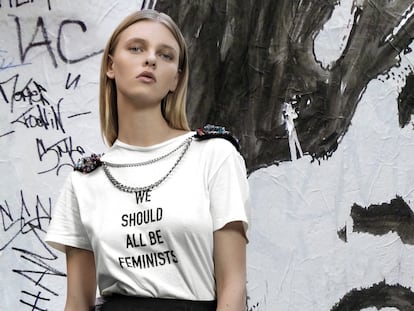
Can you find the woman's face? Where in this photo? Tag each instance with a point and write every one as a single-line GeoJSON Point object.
{"type": "Point", "coordinates": [145, 63]}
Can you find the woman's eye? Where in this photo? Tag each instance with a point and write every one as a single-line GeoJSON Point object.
{"type": "Point", "coordinates": [166, 56]}
{"type": "Point", "coordinates": [135, 49]}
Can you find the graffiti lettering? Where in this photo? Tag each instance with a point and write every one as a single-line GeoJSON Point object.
{"type": "Point", "coordinates": [59, 47]}
{"type": "Point", "coordinates": [44, 117]}
{"type": "Point", "coordinates": [18, 3]}
{"type": "Point", "coordinates": [37, 298]}
{"type": "Point", "coordinates": [74, 82]}
{"type": "Point", "coordinates": [34, 220]}
{"type": "Point", "coordinates": [7, 61]}
{"type": "Point", "coordinates": [46, 43]}
{"type": "Point", "coordinates": [57, 152]}
{"type": "Point", "coordinates": [32, 92]}
{"type": "Point", "coordinates": [43, 269]}
{"type": "Point", "coordinates": [28, 220]}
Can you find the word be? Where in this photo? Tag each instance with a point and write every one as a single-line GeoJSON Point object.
{"type": "Point", "coordinates": [138, 240]}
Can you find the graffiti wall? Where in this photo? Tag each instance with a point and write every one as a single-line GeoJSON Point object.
{"type": "Point", "coordinates": [49, 65]}
{"type": "Point", "coordinates": [321, 95]}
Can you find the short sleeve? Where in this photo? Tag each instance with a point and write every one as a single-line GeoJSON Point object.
{"type": "Point", "coordinates": [66, 228]}
{"type": "Point", "coordinates": [229, 191]}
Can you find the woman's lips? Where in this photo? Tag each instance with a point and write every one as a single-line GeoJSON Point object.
{"type": "Point", "coordinates": [147, 77]}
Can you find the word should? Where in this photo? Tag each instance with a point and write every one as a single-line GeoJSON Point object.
{"type": "Point", "coordinates": [141, 217]}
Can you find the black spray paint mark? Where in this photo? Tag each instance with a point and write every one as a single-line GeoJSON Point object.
{"type": "Point", "coordinates": [406, 101]}
{"type": "Point", "coordinates": [148, 4]}
{"type": "Point", "coordinates": [37, 299]}
{"type": "Point", "coordinates": [380, 295]}
{"type": "Point", "coordinates": [72, 83]}
{"type": "Point", "coordinates": [8, 61]}
{"type": "Point", "coordinates": [57, 155]}
{"type": "Point", "coordinates": [46, 43]}
{"type": "Point", "coordinates": [248, 58]}
{"type": "Point", "coordinates": [26, 220]}
{"type": "Point", "coordinates": [379, 219]}
{"type": "Point", "coordinates": [37, 258]}
{"type": "Point", "coordinates": [19, 3]}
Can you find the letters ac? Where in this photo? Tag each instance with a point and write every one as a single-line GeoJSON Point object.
{"type": "Point", "coordinates": [46, 43]}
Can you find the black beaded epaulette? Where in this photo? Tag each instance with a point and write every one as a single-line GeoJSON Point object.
{"type": "Point", "coordinates": [88, 164]}
{"type": "Point", "coordinates": [91, 163]}
{"type": "Point", "coordinates": [213, 131]}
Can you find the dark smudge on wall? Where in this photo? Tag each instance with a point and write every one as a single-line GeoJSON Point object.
{"type": "Point", "coordinates": [379, 219]}
{"type": "Point", "coordinates": [379, 295]}
{"type": "Point", "coordinates": [406, 101]}
{"type": "Point", "coordinates": [248, 58]}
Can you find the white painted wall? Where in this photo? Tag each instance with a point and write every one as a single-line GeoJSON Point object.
{"type": "Point", "coordinates": [295, 259]}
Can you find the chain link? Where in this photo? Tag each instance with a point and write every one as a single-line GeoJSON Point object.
{"type": "Point", "coordinates": [125, 188]}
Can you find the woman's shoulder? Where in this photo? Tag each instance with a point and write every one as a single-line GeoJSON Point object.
{"type": "Point", "coordinates": [88, 164]}
{"type": "Point", "coordinates": [217, 137]}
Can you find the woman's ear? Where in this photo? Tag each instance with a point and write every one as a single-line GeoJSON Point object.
{"type": "Point", "coordinates": [110, 71]}
{"type": "Point", "coordinates": [175, 81]}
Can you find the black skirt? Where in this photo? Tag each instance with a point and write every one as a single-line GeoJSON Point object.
{"type": "Point", "coordinates": [130, 303]}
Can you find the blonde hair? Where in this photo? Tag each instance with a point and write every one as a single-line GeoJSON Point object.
{"type": "Point", "coordinates": [173, 105]}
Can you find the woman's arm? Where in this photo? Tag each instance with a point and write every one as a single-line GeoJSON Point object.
{"type": "Point", "coordinates": [230, 267]}
{"type": "Point", "coordinates": [81, 279]}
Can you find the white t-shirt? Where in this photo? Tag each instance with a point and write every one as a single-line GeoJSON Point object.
{"type": "Point", "coordinates": [156, 243]}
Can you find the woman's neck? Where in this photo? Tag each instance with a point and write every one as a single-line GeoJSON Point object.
{"type": "Point", "coordinates": [144, 127]}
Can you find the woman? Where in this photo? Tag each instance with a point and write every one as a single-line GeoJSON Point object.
{"type": "Point", "coordinates": [160, 221]}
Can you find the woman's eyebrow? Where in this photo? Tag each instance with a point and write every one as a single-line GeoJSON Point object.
{"type": "Point", "coordinates": [144, 41]}
{"type": "Point", "coordinates": [136, 39]}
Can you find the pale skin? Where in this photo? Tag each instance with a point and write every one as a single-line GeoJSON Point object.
{"type": "Point", "coordinates": [142, 124]}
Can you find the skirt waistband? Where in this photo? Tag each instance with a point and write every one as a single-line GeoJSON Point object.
{"type": "Point", "coordinates": [132, 303]}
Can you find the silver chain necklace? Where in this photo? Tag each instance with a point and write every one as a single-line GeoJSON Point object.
{"type": "Point", "coordinates": [105, 165]}
{"type": "Point", "coordinates": [117, 165]}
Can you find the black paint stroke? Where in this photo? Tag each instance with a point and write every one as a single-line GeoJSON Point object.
{"type": "Point", "coordinates": [19, 3]}
{"type": "Point", "coordinates": [249, 57]}
{"type": "Point", "coordinates": [379, 219]}
{"type": "Point", "coordinates": [37, 299]}
{"type": "Point", "coordinates": [148, 4]}
{"type": "Point", "coordinates": [79, 114]}
{"type": "Point", "coordinates": [380, 295]}
{"type": "Point", "coordinates": [37, 257]}
{"type": "Point", "coordinates": [83, 27]}
{"type": "Point", "coordinates": [46, 42]}
{"type": "Point", "coordinates": [5, 134]}
{"type": "Point", "coordinates": [58, 154]}
{"type": "Point", "coordinates": [406, 101]}
{"type": "Point", "coordinates": [23, 220]}
{"type": "Point", "coordinates": [40, 25]}
{"type": "Point", "coordinates": [73, 83]}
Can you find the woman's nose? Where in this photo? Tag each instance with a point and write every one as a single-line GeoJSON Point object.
{"type": "Point", "coordinates": [151, 60]}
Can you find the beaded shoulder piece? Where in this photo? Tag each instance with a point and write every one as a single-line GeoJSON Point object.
{"type": "Point", "coordinates": [213, 131]}
{"type": "Point", "coordinates": [88, 164]}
